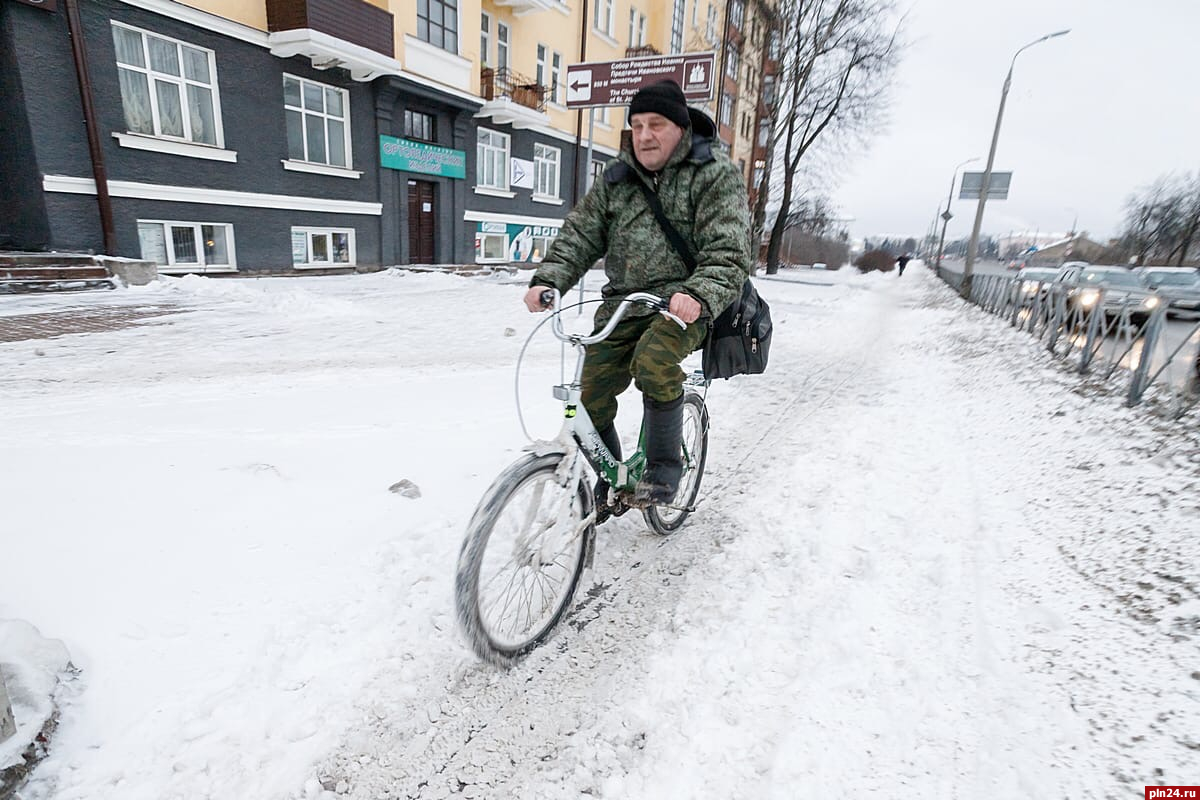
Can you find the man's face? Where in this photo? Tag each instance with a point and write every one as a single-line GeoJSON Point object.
{"type": "Point", "coordinates": [654, 139]}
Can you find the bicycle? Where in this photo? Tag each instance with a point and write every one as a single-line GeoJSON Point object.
{"type": "Point", "coordinates": [534, 530]}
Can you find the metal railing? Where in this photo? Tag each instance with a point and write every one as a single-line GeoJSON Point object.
{"type": "Point", "coordinates": [1118, 337]}
{"type": "Point", "coordinates": [503, 82]}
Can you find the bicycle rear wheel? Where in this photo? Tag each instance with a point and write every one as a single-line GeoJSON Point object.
{"type": "Point", "coordinates": [665, 520]}
{"type": "Point", "coordinates": [522, 557]}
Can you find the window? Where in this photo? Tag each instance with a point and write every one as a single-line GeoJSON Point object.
{"type": "Point", "coordinates": [637, 28]}
{"type": "Point", "coordinates": [768, 89]}
{"type": "Point", "coordinates": [541, 245]}
{"type": "Point", "coordinates": [742, 166]}
{"type": "Point", "coordinates": [545, 170]}
{"type": "Point", "coordinates": [602, 19]}
{"type": "Point", "coordinates": [733, 62]}
{"type": "Point", "coordinates": [552, 77]}
{"type": "Point", "coordinates": [710, 27]}
{"type": "Point", "coordinates": [774, 47]}
{"type": "Point", "coordinates": [556, 78]}
{"type": "Point", "coordinates": [695, 11]}
{"type": "Point", "coordinates": [677, 26]}
{"type": "Point", "coordinates": [318, 130]}
{"type": "Point", "coordinates": [419, 126]}
{"type": "Point", "coordinates": [491, 246]}
{"type": "Point", "coordinates": [485, 38]}
{"type": "Point", "coordinates": [736, 12]}
{"type": "Point", "coordinates": [491, 160]}
{"type": "Point", "coordinates": [726, 108]}
{"type": "Point", "coordinates": [437, 23]}
{"type": "Point", "coordinates": [168, 88]}
{"type": "Point", "coordinates": [501, 46]}
{"type": "Point", "coordinates": [322, 247]}
{"type": "Point", "coordinates": [187, 246]}
{"type": "Point", "coordinates": [759, 169]}
{"type": "Point", "coordinates": [764, 132]}
{"type": "Point", "coordinates": [600, 115]}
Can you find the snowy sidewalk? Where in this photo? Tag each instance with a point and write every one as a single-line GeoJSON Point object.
{"type": "Point", "coordinates": [925, 567]}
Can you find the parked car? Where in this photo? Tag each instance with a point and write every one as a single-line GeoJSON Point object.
{"type": "Point", "coordinates": [1178, 286]}
{"type": "Point", "coordinates": [1122, 290]}
{"type": "Point", "coordinates": [1033, 281]}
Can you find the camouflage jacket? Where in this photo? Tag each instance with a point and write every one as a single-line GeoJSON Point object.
{"type": "Point", "coordinates": [703, 196]}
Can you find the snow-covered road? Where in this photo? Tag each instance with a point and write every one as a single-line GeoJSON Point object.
{"type": "Point", "coordinates": [924, 567]}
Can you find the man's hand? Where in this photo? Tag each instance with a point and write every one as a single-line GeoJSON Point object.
{"type": "Point", "coordinates": [686, 307]}
{"type": "Point", "coordinates": [533, 298]}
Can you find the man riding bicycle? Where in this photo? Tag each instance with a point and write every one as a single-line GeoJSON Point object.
{"type": "Point", "coordinates": [704, 198]}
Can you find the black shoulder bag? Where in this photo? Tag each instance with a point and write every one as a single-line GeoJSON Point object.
{"type": "Point", "coordinates": [740, 337]}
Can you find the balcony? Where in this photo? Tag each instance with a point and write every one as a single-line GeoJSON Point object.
{"type": "Point", "coordinates": [522, 7]}
{"type": "Point", "coordinates": [352, 34]}
{"type": "Point", "coordinates": [512, 98]}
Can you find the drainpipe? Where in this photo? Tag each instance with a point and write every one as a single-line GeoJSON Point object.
{"type": "Point", "coordinates": [583, 34]}
{"type": "Point", "coordinates": [75, 28]}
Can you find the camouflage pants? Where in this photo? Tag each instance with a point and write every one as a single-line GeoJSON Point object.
{"type": "Point", "coordinates": [646, 350]}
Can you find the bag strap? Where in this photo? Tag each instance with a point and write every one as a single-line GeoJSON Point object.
{"type": "Point", "coordinates": [673, 235]}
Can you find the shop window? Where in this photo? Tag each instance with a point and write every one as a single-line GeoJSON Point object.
{"type": "Point", "coordinates": [492, 247]}
{"type": "Point", "coordinates": [323, 247]}
{"type": "Point", "coordinates": [187, 246]}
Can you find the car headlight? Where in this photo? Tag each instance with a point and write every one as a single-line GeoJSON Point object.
{"type": "Point", "coordinates": [1150, 302]}
{"type": "Point", "coordinates": [1088, 299]}
{"type": "Point", "coordinates": [1029, 288]}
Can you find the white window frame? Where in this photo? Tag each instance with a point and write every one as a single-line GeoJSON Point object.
{"type": "Point", "coordinates": [764, 131]}
{"type": "Point", "coordinates": [485, 38]}
{"type": "Point", "coordinates": [695, 12]}
{"type": "Point", "coordinates": [311, 233]}
{"type": "Point", "coordinates": [200, 265]}
{"type": "Point", "coordinates": [603, 17]}
{"type": "Point", "coordinates": [486, 151]}
{"type": "Point", "coordinates": [556, 77]}
{"type": "Point", "coordinates": [733, 62]}
{"type": "Point", "coordinates": [726, 109]}
{"type": "Point", "coordinates": [677, 13]}
{"type": "Point", "coordinates": [181, 81]}
{"type": "Point", "coordinates": [305, 113]}
{"type": "Point", "coordinates": [710, 27]}
{"type": "Point", "coordinates": [547, 172]}
{"type": "Point", "coordinates": [632, 25]}
{"type": "Point", "coordinates": [538, 254]}
{"type": "Point", "coordinates": [737, 13]}
{"type": "Point", "coordinates": [480, 258]}
{"type": "Point", "coordinates": [503, 45]}
{"type": "Point", "coordinates": [541, 69]}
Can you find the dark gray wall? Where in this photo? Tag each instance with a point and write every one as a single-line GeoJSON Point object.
{"type": "Point", "coordinates": [250, 85]}
{"type": "Point", "coordinates": [23, 222]}
{"type": "Point", "coordinates": [521, 146]}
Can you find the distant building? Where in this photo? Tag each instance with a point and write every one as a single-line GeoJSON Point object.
{"type": "Point", "coordinates": [1072, 248]}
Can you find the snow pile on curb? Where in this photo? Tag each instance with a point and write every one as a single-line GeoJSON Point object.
{"type": "Point", "coordinates": [30, 666]}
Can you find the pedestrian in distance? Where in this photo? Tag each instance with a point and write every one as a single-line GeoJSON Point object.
{"type": "Point", "coordinates": [902, 262]}
{"type": "Point", "coordinates": [671, 152]}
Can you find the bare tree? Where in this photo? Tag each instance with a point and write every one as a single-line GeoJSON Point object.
{"type": "Point", "coordinates": [1162, 220]}
{"type": "Point", "coordinates": [838, 61]}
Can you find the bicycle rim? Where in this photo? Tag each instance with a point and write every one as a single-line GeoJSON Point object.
{"type": "Point", "coordinates": [522, 558]}
{"type": "Point", "coordinates": [665, 520]}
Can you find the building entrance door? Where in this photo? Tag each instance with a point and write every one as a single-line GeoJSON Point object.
{"type": "Point", "coordinates": [421, 222]}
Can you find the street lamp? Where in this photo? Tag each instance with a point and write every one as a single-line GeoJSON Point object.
{"type": "Point", "coordinates": [987, 172]}
{"type": "Point", "coordinates": [946, 216]}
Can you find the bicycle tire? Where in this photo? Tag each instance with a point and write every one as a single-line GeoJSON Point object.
{"type": "Point", "coordinates": [473, 586]}
{"type": "Point", "coordinates": [665, 520]}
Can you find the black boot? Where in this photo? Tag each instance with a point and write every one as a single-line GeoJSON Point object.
{"type": "Point", "coordinates": [613, 442]}
{"type": "Point", "coordinates": [664, 458]}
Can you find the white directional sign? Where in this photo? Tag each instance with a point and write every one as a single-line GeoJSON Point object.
{"type": "Point", "coordinates": [614, 83]}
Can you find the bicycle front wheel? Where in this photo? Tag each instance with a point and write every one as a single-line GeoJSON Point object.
{"type": "Point", "coordinates": [522, 557]}
{"type": "Point", "coordinates": [665, 520]}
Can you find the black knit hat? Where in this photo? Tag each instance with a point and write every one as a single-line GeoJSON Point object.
{"type": "Point", "coordinates": [664, 97]}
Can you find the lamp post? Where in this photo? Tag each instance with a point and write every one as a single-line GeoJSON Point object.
{"type": "Point", "coordinates": [946, 216]}
{"type": "Point", "coordinates": [968, 270]}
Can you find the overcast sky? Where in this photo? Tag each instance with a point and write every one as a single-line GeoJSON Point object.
{"type": "Point", "coordinates": [1091, 116]}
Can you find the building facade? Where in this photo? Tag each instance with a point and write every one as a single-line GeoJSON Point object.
{"type": "Point", "coordinates": [225, 136]}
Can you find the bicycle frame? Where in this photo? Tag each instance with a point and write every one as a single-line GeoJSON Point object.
{"type": "Point", "coordinates": [577, 423]}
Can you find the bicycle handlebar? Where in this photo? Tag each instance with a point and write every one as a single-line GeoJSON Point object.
{"type": "Point", "coordinates": [659, 304]}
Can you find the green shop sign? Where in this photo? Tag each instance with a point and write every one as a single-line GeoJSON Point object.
{"type": "Point", "coordinates": [420, 157]}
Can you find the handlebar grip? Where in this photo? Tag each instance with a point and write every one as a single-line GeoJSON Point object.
{"type": "Point", "coordinates": [547, 298]}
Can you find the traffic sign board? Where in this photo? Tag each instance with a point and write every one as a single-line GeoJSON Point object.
{"type": "Point", "coordinates": [614, 83]}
